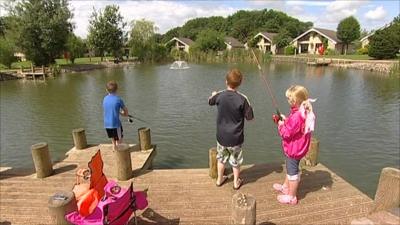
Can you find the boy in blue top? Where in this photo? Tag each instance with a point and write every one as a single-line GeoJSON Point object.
{"type": "Point", "coordinates": [113, 106]}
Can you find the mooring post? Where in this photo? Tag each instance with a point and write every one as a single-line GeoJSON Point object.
{"type": "Point", "coordinates": [387, 195]}
{"type": "Point", "coordinates": [243, 209]}
{"type": "Point", "coordinates": [79, 137]}
{"type": "Point", "coordinates": [212, 162]}
{"type": "Point", "coordinates": [311, 158]}
{"type": "Point", "coordinates": [144, 138]}
{"type": "Point", "coordinates": [60, 204]}
{"type": "Point", "coordinates": [123, 162]}
{"type": "Point", "coordinates": [41, 159]}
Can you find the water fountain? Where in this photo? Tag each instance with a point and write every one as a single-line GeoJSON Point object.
{"type": "Point", "coordinates": [179, 65]}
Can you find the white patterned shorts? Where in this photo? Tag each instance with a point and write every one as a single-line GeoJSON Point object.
{"type": "Point", "coordinates": [233, 154]}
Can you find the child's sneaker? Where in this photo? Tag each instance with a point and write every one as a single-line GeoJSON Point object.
{"type": "Point", "coordinates": [281, 188]}
{"type": "Point", "coordinates": [287, 199]}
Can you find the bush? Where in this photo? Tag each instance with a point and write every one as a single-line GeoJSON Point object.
{"type": "Point", "coordinates": [290, 50]}
{"type": "Point", "coordinates": [7, 53]}
{"type": "Point", "coordinates": [330, 51]}
{"type": "Point", "coordinates": [362, 51]}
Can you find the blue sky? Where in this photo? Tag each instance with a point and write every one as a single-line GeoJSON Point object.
{"type": "Point", "coordinates": [168, 14]}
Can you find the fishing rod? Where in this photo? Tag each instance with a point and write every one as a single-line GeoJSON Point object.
{"type": "Point", "coordinates": [266, 85]}
{"type": "Point", "coordinates": [136, 118]}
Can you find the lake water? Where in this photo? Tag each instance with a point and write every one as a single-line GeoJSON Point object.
{"type": "Point", "coordinates": [357, 115]}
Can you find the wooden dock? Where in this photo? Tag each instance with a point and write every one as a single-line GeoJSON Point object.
{"type": "Point", "coordinates": [189, 196]}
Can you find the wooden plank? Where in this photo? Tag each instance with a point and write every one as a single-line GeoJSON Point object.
{"type": "Point", "coordinates": [189, 196]}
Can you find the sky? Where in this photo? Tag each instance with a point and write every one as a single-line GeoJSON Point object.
{"type": "Point", "coordinates": [169, 14]}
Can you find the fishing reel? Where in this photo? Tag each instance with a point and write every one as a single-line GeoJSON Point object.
{"type": "Point", "coordinates": [277, 117]}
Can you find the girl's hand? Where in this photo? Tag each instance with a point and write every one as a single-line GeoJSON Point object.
{"type": "Point", "coordinates": [283, 117]}
{"type": "Point", "coordinates": [280, 123]}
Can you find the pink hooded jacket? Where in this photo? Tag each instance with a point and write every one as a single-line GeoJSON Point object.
{"type": "Point", "coordinates": [295, 141]}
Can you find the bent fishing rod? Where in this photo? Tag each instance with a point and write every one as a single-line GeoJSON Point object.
{"type": "Point", "coordinates": [266, 84]}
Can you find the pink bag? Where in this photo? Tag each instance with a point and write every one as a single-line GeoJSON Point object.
{"type": "Point", "coordinates": [115, 208]}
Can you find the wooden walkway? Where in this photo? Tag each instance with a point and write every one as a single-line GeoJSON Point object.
{"type": "Point", "coordinates": [189, 196]}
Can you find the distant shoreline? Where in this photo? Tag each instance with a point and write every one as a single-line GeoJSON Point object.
{"type": "Point", "coordinates": [381, 66]}
{"type": "Point", "coordinates": [70, 68]}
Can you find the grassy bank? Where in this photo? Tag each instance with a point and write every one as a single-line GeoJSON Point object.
{"type": "Point", "coordinates": [61, 62]}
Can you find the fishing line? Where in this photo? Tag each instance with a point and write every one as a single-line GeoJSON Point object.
{"type": "Point", "coordinates": [266, 85]}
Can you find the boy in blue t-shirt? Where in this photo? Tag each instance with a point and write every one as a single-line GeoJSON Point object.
{"type": "Point", "coordinates": [113, 106]}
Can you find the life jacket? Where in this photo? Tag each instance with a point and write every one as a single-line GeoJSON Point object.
{"type": "Point", "coordinates": [88, 195]}
{"type": "Point", "coordinates": [115, 208]}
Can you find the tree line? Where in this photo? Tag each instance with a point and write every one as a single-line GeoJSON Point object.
{"type": "Point", "coordinates": [43, 31]}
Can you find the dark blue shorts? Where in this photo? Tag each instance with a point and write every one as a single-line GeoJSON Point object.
{"type": "Point", "coordinates": [292, 166]}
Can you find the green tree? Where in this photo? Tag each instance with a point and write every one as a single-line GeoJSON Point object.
{"type": "Point", "coordinates": [142, 39]}
{"type": "Point", "coordinates": [210, 40]}
{"type": "Point", "coordinates": [174, 32]}
{"type": "Point", "coordinates": [7, 50]}
{"type": "Point", "coordinates": [282, 39]}
{"type": "Point", "coordinates": [43, 27]}
{"type": "Point", "coordinates": [385, 43]}
{"type": "Point", "coordinates": [106, 31]}
{"type": "Point", "coordinates": [2, 26]}
{"type": "Point", "coordinates": [348, 30]}
{"type": "Point", "coordinates": [75, 47]}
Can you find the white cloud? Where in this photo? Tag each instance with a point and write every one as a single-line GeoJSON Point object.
{"type": "Point", "coordinates": [165, 14]}
{"type": "Point", "coordinates": [377, 14]}
{"type": "Point", "coordinates": [338, 10]}
{"type": "Point", "coordinates": [307, 3]}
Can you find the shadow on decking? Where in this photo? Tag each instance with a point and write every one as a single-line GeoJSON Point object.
{"type": "Point", "coordinates": [16, 172]}
{"type": "Point", "coordinates": [312, 181]}
{"type": "Point", "coordinates": [258, 171]}
{"type": "Point", "coordinates": [150, 217]}
{"type": "Point", "coordinates": [5, 223]}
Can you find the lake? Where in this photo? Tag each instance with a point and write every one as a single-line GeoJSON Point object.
{"type": "Point", "coordinates": [357, 115]}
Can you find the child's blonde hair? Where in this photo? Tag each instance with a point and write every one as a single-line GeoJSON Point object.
{"type": "Point", "coordinates": [296, 94]}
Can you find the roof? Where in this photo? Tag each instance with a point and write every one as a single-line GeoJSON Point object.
{"type": "Point", "coordinates": [267, 35]}
{"type": "Point", "coordinates": [367, 36]}
{"type": "Point", "coordinates": [330, 34]}
{"type": "Point", "coordinates": [233, 42]}
{"type": "Point", "coordinates": [186, 41]}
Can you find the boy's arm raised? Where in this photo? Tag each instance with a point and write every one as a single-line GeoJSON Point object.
{"type": "Point", "coordinates": [213, 98]}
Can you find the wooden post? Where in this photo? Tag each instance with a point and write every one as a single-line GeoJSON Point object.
{"type": "Point", "coordinates": [41, 159]}
{"type": "Point", "coordinates": [144, 138]}
{"type": "Point", "coordinates": [32, 69]}
{"type": "Point", "coordinates": [44, 73]}
{"type": "Point", "coordinates": [311, 158]}
{"type": "Point", "coordinates": [212, 161]}
{"type": "Point", "coordinates": [243, 209]}
{"type": "Point", "coordinates": [387, 195]}
{"type": "Point", "coordinates": [123, 162]}
{"type": "Point", "coordinates": [79, 138]}
{"type": "Point", "coordinates": [60, 204]}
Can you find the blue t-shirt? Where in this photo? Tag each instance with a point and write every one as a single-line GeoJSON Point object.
{"type": "Point", "coordinates": [112, 104]}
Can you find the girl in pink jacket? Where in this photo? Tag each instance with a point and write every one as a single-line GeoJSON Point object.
{"type": "Point", "coordinates": [295, 131]}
